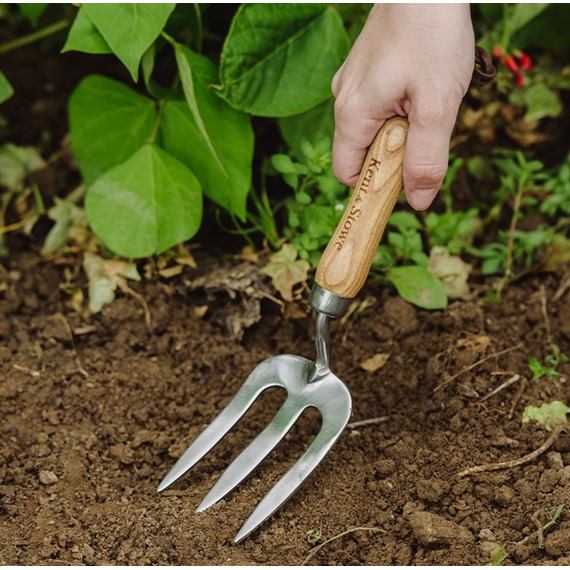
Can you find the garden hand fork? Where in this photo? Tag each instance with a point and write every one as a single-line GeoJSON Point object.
{"type": "Point", "coordinates": [341, 273]}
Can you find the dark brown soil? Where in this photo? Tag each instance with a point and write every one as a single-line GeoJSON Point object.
{"type": "Point", "coordinates": [83, 452]}
{"type": "Point", "coordinates": [95, 409]}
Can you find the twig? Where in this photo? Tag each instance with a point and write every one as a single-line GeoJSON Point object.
{"type": "Point", "coordinates": [147, 316]}
{"type": "Point", "coordinates": [506, 384]}
{"type": "Point", "coordinates": [544, 310]}
{"type": "Point", "coordinates": [515, 462]}
{"type": "Point", "coordinates": [562, 288]}
{"type": "Point", "coordinates": [369, 422]}
{"type": "Point", "coordinates": [518, 396]}
{"type": "Point", "coordinates": [539, 533]}
{"type": "Point", "coordinates": [350, 530]}
{"type": "Point", "coordinates": [475, 364]}
{"type": "Point", "coordinates": [32, 373]}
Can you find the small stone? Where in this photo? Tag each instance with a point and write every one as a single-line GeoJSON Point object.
{"type": "Point", "coordinates": [433, 530]}
{"type": "Point", "coordinates": [486, 534]}
{"type": "Point", "coordinates": [489, 547]}
{"type": "Point", "coordinates": [554, 460]}
{"type": "Point", "coordinates": [548, 480]}
{"type": "Point", "coordinates": [48, 478]}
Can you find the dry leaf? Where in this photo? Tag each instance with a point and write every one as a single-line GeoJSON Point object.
{"type": "Point", "coordinates": [200, 311]}
{"type": "Point", "coordinates": [286, 270]}
{"type": "Point", "coordinates": [375, 362]}
{"type": "Point", "coordinates": [451, 270]}
{"type": "Point", "coordinates": [188, 260]}
{"type": "Point", "coordinates": [477, 343]}
{"type": "Point", "coordinates": [170, 272]}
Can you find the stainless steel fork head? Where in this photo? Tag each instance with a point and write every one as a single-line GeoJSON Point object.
{"type": "Point", "coordinates": [307, 385]}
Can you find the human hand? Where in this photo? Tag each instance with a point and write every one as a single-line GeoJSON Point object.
{"type": "Point", "coordinates": [413, 60]}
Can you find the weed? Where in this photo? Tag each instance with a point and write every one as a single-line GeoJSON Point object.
{"type": "Point", "coordinates": [548, 368]}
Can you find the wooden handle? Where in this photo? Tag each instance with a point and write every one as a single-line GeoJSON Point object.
{"type": "Point", "coordinates": [346, 261]}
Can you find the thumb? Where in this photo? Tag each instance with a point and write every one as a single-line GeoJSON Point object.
{"type": "Point", "coordinates": [426, 158]}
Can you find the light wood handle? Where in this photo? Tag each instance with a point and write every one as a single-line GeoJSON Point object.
{"type": "Point", "coordinates": [346, 261]}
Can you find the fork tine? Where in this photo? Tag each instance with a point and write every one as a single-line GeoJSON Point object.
{"type": "Point", "coordinates": [217, 429]}
{"type": "Point", "coordinates": [254, 453]}
{"type": "Point", "coordinates": [334, 422]}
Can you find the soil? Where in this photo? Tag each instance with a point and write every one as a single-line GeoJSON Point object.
{"type": "Point", "coordinates": [95, 409]}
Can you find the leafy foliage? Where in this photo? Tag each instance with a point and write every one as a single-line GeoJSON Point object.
{"type": "Point", "coordinates": [278, 59]}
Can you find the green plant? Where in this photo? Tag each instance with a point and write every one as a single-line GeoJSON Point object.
{"type": "Point", "coordinates": [158, 154]}
{"type": "Point", "coordinates": [548, 368]}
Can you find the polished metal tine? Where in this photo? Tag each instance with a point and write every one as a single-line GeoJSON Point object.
{"type": "Point", "coordinates": [218, 428]}
{"type": "Point", "coordinates": [255, 452]}
{"type": "Point", "coordinates": [335, 413]}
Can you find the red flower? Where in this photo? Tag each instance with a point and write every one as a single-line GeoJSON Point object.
{"type": "Point", "coordinates": [519, 80]}
{"type": "Point", "coordinates": [497, 52]}
{"type": "Point", "coordinates": [525, 61]}
{"type": "Point", "coordinates": [510, 62]}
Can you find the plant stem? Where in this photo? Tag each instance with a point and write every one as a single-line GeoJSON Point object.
{"type": "Point", "coordinates": [510, 242]}
{"type": "Point", "coordinates": [156, 125]}
{"type": "Point", "coordinates": [35, 36]}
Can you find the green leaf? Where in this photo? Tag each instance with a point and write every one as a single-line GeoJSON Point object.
{"type": "Point", "coordinates": [6, 90]}
{"type": "Point", "coordinates": [145, 205]}
{"type": "Point", "coordinates": [404, 220]}
{"type": "Point", "coordinates": [194, 70]}
{"type": "Point", "coordinates": [418, 286]}
{"type": "Point", "coordinates": [522, 14]}
{"type": "Point", "coordinates": [286, 270]}
{"type": "Point", "coordinates": [548, 415]}
{"type": "Point", "coordinates": [312, 125]}
{"type": "Point", "coordinates": [33, 12]}
{"type": "Point", "coordinates": [129, 29]}
{"type": "Point", "coordinates": [84, 36]}
{"type": "Point", "coordinates": [279, 59]}
{"type": "Point", "coordinates": [109, 122]}
{"type": "Point", "coordinates": [232, 137]}
{"type": "Point", "coordinates": [541, 102]}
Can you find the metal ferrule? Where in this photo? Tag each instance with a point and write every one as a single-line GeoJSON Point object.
{"type": "Point", "coordinates": [327, 302]}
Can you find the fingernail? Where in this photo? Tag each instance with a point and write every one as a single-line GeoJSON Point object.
{"type": "Point", "coordinates": [422, 198]}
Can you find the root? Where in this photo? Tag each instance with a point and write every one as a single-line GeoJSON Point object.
{"type": "Point", "coordinates": [349, 531]}
{"type": "Point", "coordinates": [515, 462]}
{"type": "Point", "coordinates": [369, 422]}
{"type": "Point", "coordinates": [475, 364]}
{"type": "Point", "coordinates": [511, 380]}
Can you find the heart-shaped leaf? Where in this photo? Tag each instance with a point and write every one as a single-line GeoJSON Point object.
{"type": "Point", "coordinates": [84, 36]}
{"type": "Point", "coordinates": [129, 29]}
{"type": "Point", "coordinates": [231, 136]}
{"type": "Point", "coordinates": [279, 59]}
{"type": "Point", "coordinates": [156, 203]}
{"type": "Point", "coordinates": [109, 122]}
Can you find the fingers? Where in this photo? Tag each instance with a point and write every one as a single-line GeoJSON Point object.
{"type": "Point", "coordinates": [350, 146]}
{"type": "Point", "coordinates": [427, 152]}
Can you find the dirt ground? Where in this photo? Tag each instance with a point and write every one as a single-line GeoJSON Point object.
{"type": "Point", "coordinates": [95, 409]}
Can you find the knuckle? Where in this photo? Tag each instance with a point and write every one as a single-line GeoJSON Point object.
{"type": "Point", "coordinates": [426, 173]}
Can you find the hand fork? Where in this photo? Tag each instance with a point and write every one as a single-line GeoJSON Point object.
{"type": "Point", "coordinates": [341, 273]}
